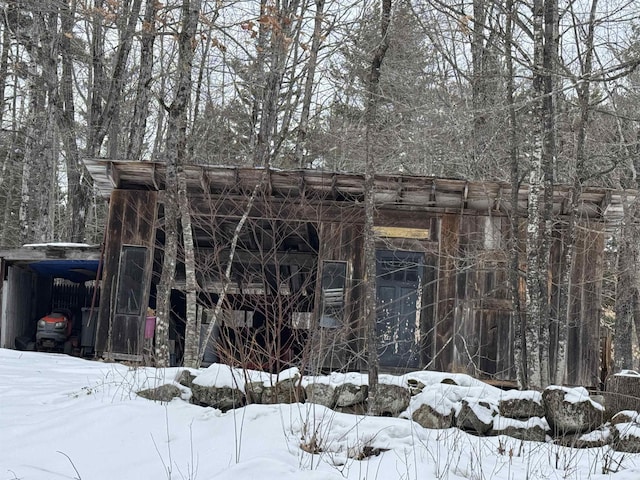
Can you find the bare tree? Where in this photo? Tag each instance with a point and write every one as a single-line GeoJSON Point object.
{"type": "Point", "coordinates": [370, 319]}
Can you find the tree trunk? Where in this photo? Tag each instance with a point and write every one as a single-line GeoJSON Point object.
{"type": "Point", "coordinates": [568, 255]}
{"type": "Point", "coordinates": [40, 159]}
{"type": "Point", "coordinates": [176, 150]}
{"type": "Point", "coordinates": [370, 320]}
{"type": "Point", "coordinates": [514, 220]}
{"type": "Point", "coordinates": [143, 92]}
{"type": "Point", "coordinates": [549, 154]}
{"type": "Point", "coordinates": [535, 301]}
{"type": "Point", "coordinates": [77, 192]}
{"type": "Point", "coordinates": [105, 108]}
{"type": "Point", "coordinates": [167, 277]}
{"type": "Point", "coordinates": [309, 84]}
{"type": "Point", "coordinates": [280, 43]}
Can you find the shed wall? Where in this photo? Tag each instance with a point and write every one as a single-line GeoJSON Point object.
{"type": "Point", "coordinates": [132, 216]}
{"type": "Point", "coordinates": [25, 298]}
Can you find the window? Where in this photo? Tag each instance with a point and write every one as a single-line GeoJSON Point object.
{"type": "Point", "coordinates": [334, 281]}
{"type": "Point", "coordinates": [133, 261]}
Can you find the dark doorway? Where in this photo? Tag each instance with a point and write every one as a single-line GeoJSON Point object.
{"type": "Point", "coordinates": [398, 290]}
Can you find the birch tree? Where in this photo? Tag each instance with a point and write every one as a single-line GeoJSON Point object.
{"type": "Point", "coordinates": [176, 200]}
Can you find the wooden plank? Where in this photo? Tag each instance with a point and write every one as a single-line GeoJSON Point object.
{"type": "Point", "coordinates": [445, 315]}
{"type": "Point", "coordinates": [32, 254]}
{"type": "Point", "coordinates": [402, 232]}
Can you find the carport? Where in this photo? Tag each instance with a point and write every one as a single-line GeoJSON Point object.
{"type": "Point", "coordinates": [33, 283]}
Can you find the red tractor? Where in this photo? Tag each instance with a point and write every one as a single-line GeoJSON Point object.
{"type": "Point", "coordinates": [54, 331]}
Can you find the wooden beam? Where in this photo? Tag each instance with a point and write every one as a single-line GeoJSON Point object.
{"type": "Point", "coordinates": [221, 257]}
{"type": "Point", "coordinates": [605, 203]}
{"type": "Point", "coordinates": [154, 177]}
{"type": "Point", "coordinates": [113, 175]}
{"type": "Point", "coordinates": [465, 195]}
{"type": "Point", "coordinates": [334, 190]}
{"type": "Point", "coordinates": [399, 190]}
{"type": "Point", "coordinates": [497, 202]}
{"type": "Point", "coordinates": [302, 185]}
{"type": "Point", "coordinates": [50, 253]}
{"type": "Point", "coordinates": [205, 183]}
{"type": "Point", "coordinates": [236, 188]}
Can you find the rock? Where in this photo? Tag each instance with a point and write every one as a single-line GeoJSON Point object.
{"type": "Point", "coordinates": [533, 429]}
{"type": "Point", "coordinates": [626, 437]}
{"type": "Point", "coordinates": [449, 381]}
{"type": "Point", "coordinates": [286, 391]}
{"type": "Point", "coordinates": [415, 386]}
{"type": "Point", "coordinates": [253, 391]}
{"type": "Point", "coordinates": [521, 404]}
{"type": "Point", "coordinates": [321, 393]}
{"type": "Point", "coordinates": [595, 439]}
{"type": "Point", "coordinates": [355, 409]}
{"type": "Point", "coordinates": [163, 393]}
{"type": "Point", "coordinates": [349, 394]}
{"type": "Point", "coordinates": [186, 378]}
{"type": "Point", "coordinates": [476, 416]}
{"type": "Point", "coordinates": [570, 410]}
{"type": "Point", "coordinates": [224, 398]}
{"type": "Point", "coordinates": [626, 416]}
{"type": "Point", "coordinates": [429, 417]}
{"type": "Point", "coordinates": [391, 399]}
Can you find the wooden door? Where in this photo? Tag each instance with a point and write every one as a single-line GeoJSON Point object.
{"type": "Point", "coordinates": [398, 291]}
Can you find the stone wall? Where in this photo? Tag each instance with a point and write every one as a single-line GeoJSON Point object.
{"type": "Point", "coordinates": [567, 416]}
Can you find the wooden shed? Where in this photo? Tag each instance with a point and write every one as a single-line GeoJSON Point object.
{"type": "Point", "coordinates": [444, 301]}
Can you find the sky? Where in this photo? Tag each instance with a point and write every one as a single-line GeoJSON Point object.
{"type": "Point", "coordinates": [67, 418]}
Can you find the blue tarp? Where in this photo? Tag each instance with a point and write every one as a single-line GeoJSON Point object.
{"type": "Point", "coordinates": [75, 270]}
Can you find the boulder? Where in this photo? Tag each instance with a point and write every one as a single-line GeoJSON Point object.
{"type": "Point", "coordinates": [253, 391]}
{"type": "Point", "coordinates": [533, 429]}
{"type": "Point", "coordinates": [349, 394]}
{"type": "Point", "coordinates": [570, 410]}
{"type": "Point", "coordinates": [415, 386]}
{"type": "Point", "coordinates": [321, 393]}
{"type": "Point", "coordinates": [186, 378]}
{"type": "Point", "coordinates": [429, 417]}
{"type": "Point", "coordinates": [163, 393]}
{"type": "Point", "coordinates": [521, 404]}
{"type": "Point", "coordinates": [625, 416]}
{"type": "Point", "coordinates": [355, 409]}
{"type": "Point", "coordinates": [285, 391]}
{"type": "Point", "coordinates": [391, 399]}
{"type": "Point", "coordinates": [476, 416]}
{"type": "Point", "coordinates": [626, 437]}
{"type": "Point", "coordinates": [224, 398]}
{"type": "Point", "coordinates": [595, 439]}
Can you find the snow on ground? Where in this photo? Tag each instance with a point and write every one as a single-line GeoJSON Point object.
{"type": "Point", "coordinates": [68, 418]}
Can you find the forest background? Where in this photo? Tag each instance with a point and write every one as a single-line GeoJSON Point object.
{"type": "Point", "coordinates": [543, 92]}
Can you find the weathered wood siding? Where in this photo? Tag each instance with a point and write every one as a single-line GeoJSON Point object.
{"type": "Point", "coordinates": [446, 295]}
{"type": "Point", "coordinates": [26, 297]}
{"type": "Point", "coordinates": [132, 216]}
{"type": "Point", "coordinates": [339, 347]}
{"type": "Point", "coordinates": [583, 349]}
{"type": "Point", "coordinates": [475, 324]}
